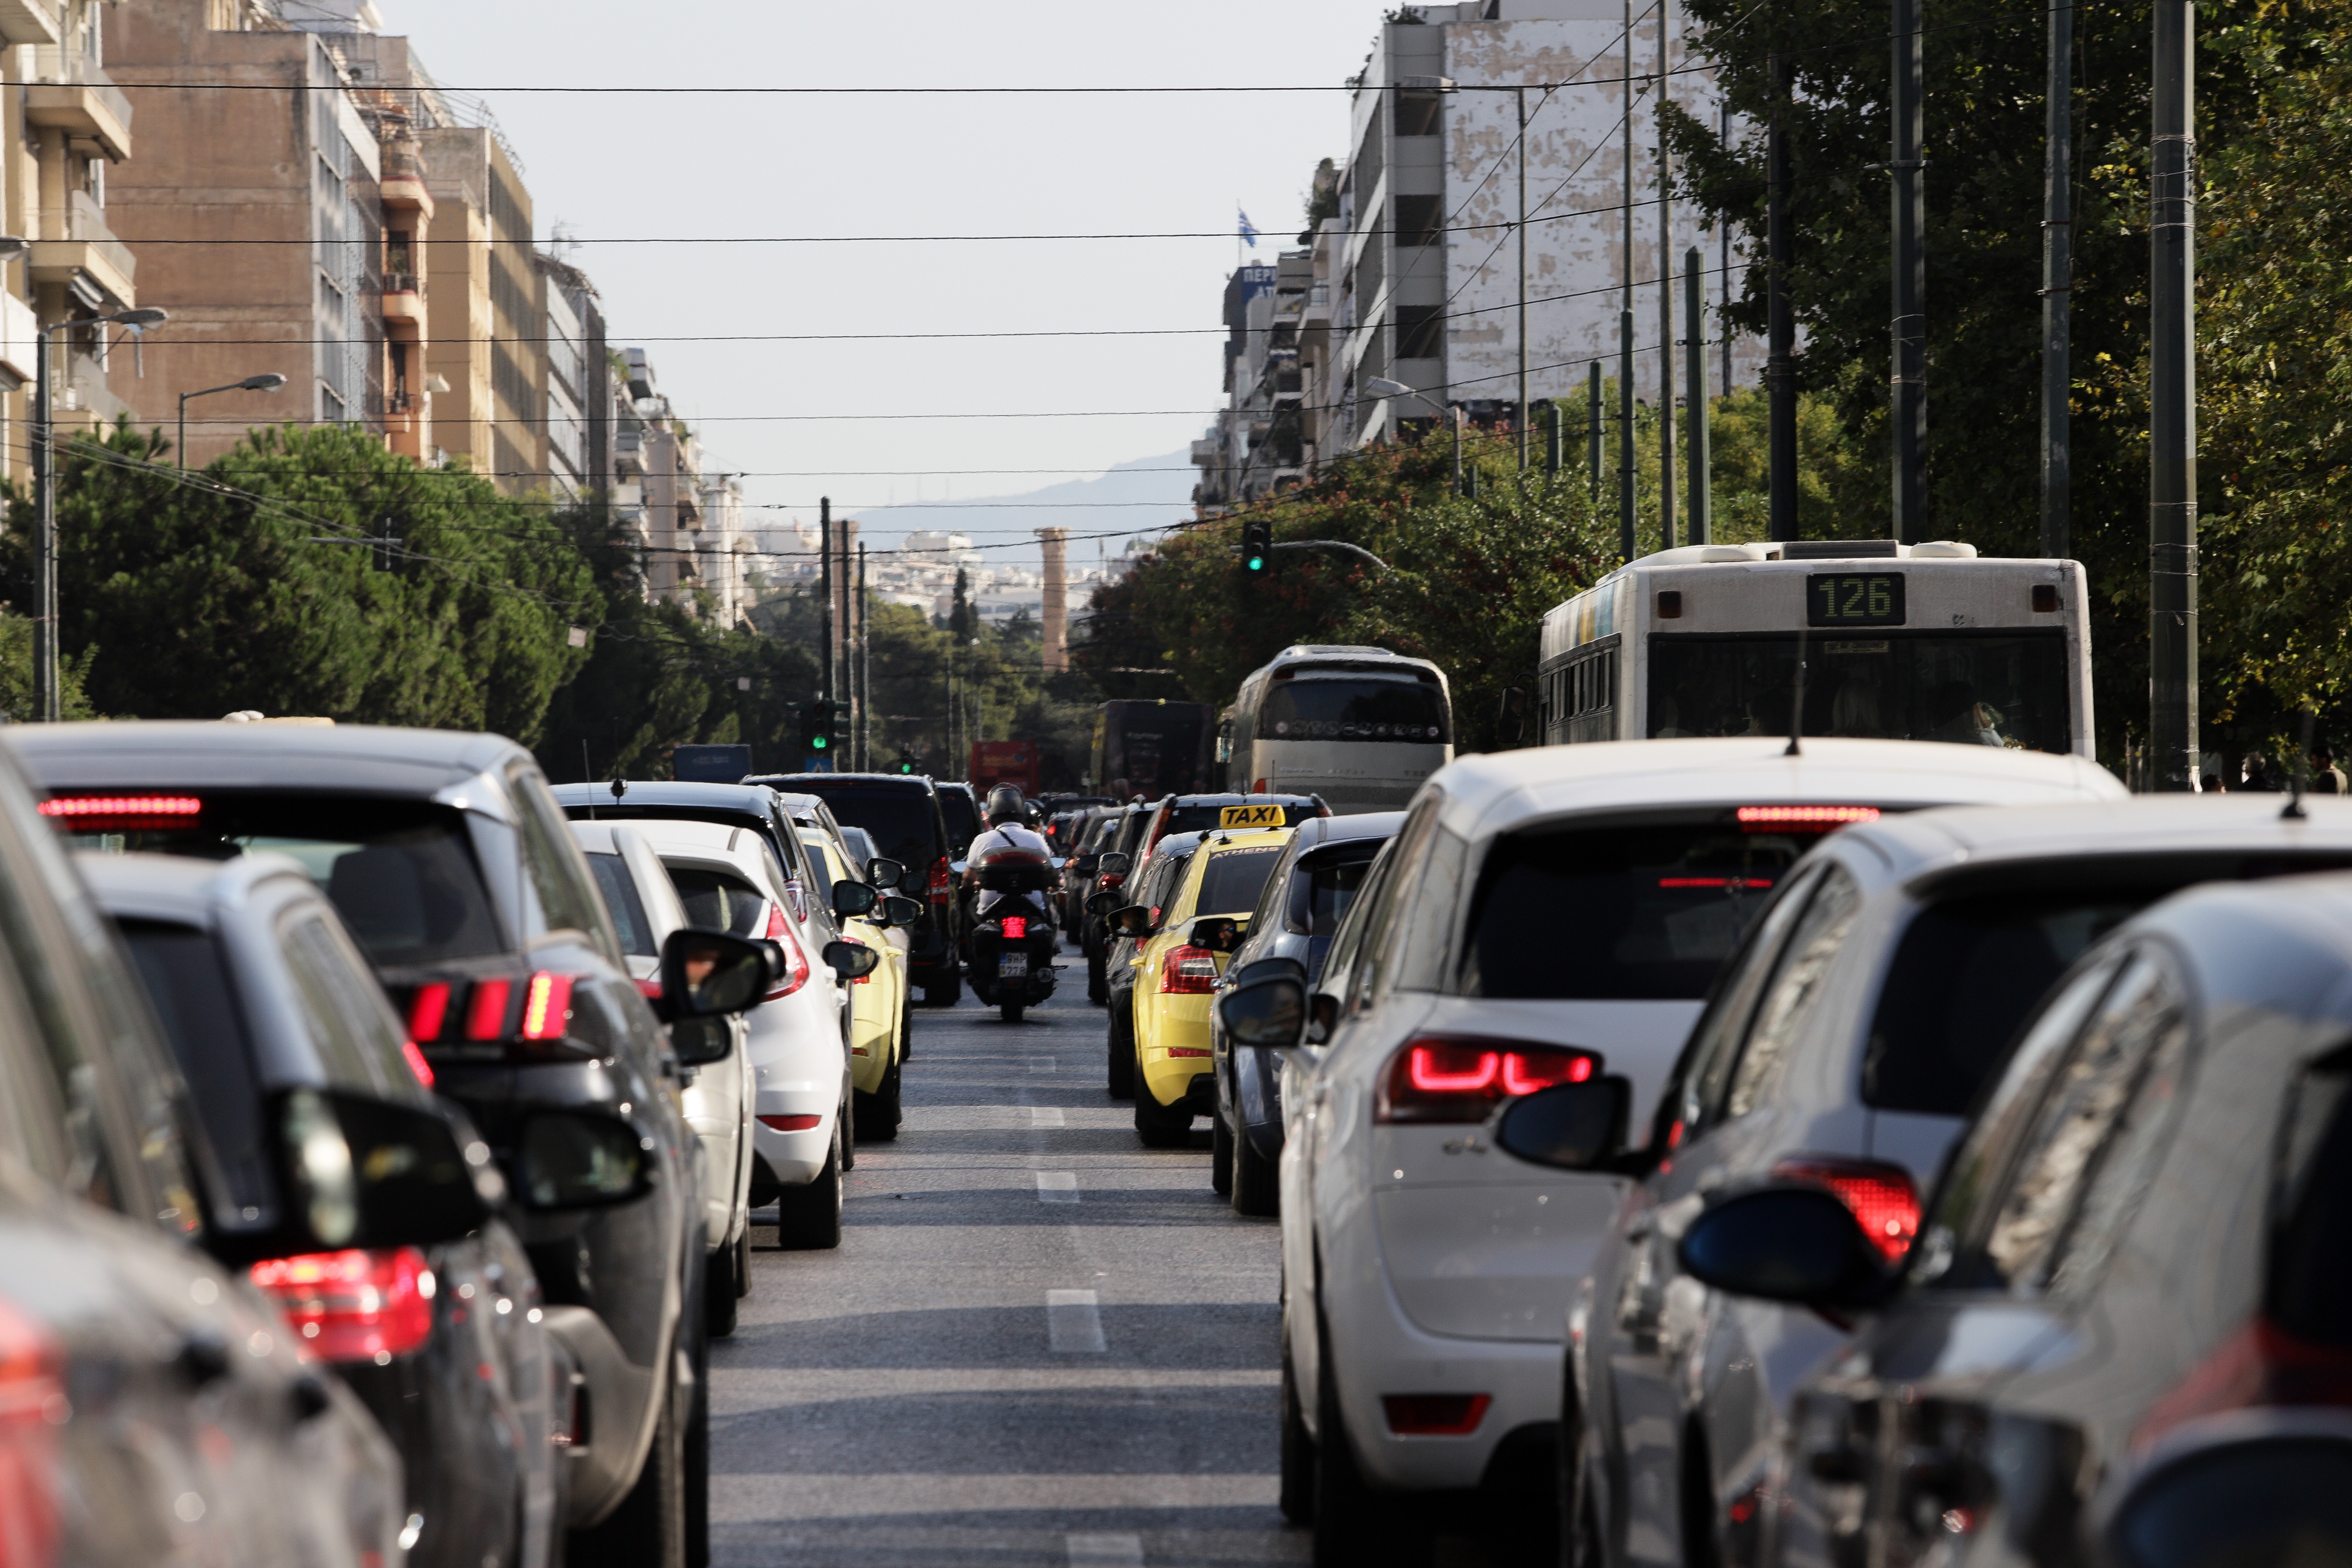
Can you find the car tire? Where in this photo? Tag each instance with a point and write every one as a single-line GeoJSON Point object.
{"type": "Point", "coordinates": [649, 1529]}
{"type": "Point", "coordinates": [697, 1461]}
{"type": "Point", "coordinates": [1297, 1498]}
{"type": "Point", "coordinates": [944, 992]}
{"type": "Point", "coordinates": [1355, 1524]}
{"type": "Point", "coordinates": [808, 1218]}
{"type": "Point", "coordinates": [844, 1119]}
{"type": "Point", "coordinates": [721, 1290]}
{"type": "Point", "coordinates": [1257, 1181]}
{"type": "Point", "coordinates": [743, 1261]}
{"type": "Point", "coordinates": [1098, 982]}
{"type": "Point", "coordinates": [1120, 1078]}
{"type": "Point", "coordinates": [1221, 1157]}
{"type": "Point", "coordinates": [906, 1028]}
{"type": "Point", "coordinates": [1160, 1126]}
{"type": "Point", "coordinates": [878, 1114]}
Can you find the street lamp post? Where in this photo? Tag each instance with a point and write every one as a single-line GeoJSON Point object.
{"type": "Point", "coordinates": [271, 382]}
{"type": "Point", "coordinates": [1381, 386]}
{"type": "Point", "coordinates": [45, 518]}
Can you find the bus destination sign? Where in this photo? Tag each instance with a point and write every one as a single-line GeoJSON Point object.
{"type": "Point", "coordinates": [1853, 599]}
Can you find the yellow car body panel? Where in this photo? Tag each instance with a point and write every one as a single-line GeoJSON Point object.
{"type": "Point", "coordinates": [876, 1003]}
{"type": "Point", "coordinates": [1165, 1023]}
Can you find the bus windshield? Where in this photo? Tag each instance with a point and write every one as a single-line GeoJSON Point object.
{"type": "Point", "coordinates": [2003, 690]}
{"type": "Point", "coordinates": [1353, 710]}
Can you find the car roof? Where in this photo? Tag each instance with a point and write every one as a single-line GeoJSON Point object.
{"type": "Point", "coordinates": [1178, 844]}
{"type": "Point", "coordinates": [1496, 791]}
{"type": "Point", "coordinates": [2282, 945]}
{"type": "Point", "coordinates": [359, 759]}
{"type": "Point", "coordinates": [1235, 797]}
{"type": "Point", "coordinates": [755, 799]}
{"type": "Point", "coordinates": [1318, 831]}
{"type": "Point", "coordinates": [184, 889]}
{"type": "Point", "coordinates": [812, 784]}
{"type": "Point", "coordinates": [1916, 843]}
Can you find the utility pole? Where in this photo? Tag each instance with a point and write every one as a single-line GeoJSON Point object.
{"type": "Point", "coordinates": [2057, 269]}
{"type": "Point", "coordinates": [824, 595]}
{"type": "Point", "coordinates": [865, 673]}
{"type": "Point", "coordinates": [1526, 415]}
{"type": "Point", "coordinates": [46, 701]}
{"type": "Point", "coordinates": [1696, 459]}
{"type": "Point", "coordinates": [1779, 371]}
{"type": "Point", "coordinates": [1723, 243]}
{"type": "Point", "coordinates": [1909, 384]}
{"type": "Point", "coordinates": [1665, 291]}
{"type": "Point", "coordinates": [2172, 405]}
{"type": "Point", "coordinates": [1555, 451]}
{"type": "Point", "coordinates": [1625, 510]}
{"type": "Point", "coordinates": [1592, 425]}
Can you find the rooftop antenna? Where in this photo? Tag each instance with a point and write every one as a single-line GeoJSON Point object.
{"type": "Point", "coordinates": [587, 775]}
{"type": "Point", "coordinates": [1797, 708]}
{"type": "Point", "coordinates": [2295, 812]}
{"type": "Point", "coordinates": [620, 788]}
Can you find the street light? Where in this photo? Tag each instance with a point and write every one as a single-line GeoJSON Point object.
{"type": "Point", "coordinates": [268, 383]}
{"type": "Point", "coordinates": [44, 489]}
{"type": "Point", "coordinates": [1381, 386]}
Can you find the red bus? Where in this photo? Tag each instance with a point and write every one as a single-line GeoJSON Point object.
{"type": "Point", "coordinates": [1007, 762]}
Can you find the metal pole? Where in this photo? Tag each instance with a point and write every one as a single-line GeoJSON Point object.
{"type": "Point", "coordinates": [2172, 405]}
{"type": "Point", "coordinates": [45, 541]}
{"type": "Point", "coordinates": [180, 452]}
{"type": "Point", "coordinates": [1666, 293]}
{"type": "Point", "coordinates": [1524, 412]}
{"type": "Point", "coordinates": [1458, 489]}
{"type": "Point", "coordinates": [865, 672]}
{"type": "Point", "coordinates": [1723, 242]}
{"type": "Point", "coordinates": [1908, 383]}
{"type": "Point", "coordinates": [824, 593]}
{"type": "Point", "coordinates": [2057, 269]}
{"type": "Point", "coordinates": [1593, 424]}
{"type": "Point", "coordinates": [1625, 477]}
{"type": "Point", "coordinates": [1697, 458]}
{"type": "Point", "coordinates": [1555, 448]}
{"type": "Point", "coordinates": [1779, 371]}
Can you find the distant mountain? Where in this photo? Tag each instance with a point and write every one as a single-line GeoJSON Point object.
{"type": "Point", "coordinates": [1144, 494]}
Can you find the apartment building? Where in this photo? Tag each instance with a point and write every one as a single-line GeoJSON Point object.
{"type": "Point", "coordinates": [578, 383]}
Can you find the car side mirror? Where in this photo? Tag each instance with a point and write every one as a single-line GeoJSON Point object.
{"type": "Point", "coordinates": [699, 1042]}
{"type": "Point", "coordinates": [1785, 1242]}
{"type": "Point", "coordinates": [1322, 1017]}
{"type": "Point", "coordinates": [1102, 903]}
{"type": "Point", "coordinates": [365, 1172]}
{"type": "Point", "coordinates": [1569, 1126]}
{"type": "Point", "coordinates": [579, 1159]}
{"type": "Point", "coordinates": [1115, 863]}
{"type": "Point", "coordinates": [1217, 933]}
{"type": "Point", "coordinates": [1085, 865]}
{"type": "Point", "coordinates": [899, 913]}
{"type": "Point", "coordinates": [854, 898]}
{"type": "Point", "coordinates": [1250, 973]}
{"type": "Point", "coordinates": [708, 974]}
{"type": "Point", "coordinates": [884, 874]}
{"type": "Point", "coordinates": [1130, 920]}
{"type": "Point", "coordinates": [851, 960]}
{"type": "Point", "coordinates": [1269, 1013]}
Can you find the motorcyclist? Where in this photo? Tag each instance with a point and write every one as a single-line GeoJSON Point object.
{"type": "Point", "coordinates": [1009, 834]}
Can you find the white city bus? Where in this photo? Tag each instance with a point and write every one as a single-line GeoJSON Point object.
{"type": "Point", "coordinates": [1922, 642]}
{"type": "Point", "coordinates": [1360, 726]}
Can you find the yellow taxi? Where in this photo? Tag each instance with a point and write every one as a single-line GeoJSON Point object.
{"type": "Point", "coordinates": [878, 1002]}
{"type": "Point", "coordinates": [1175, 977]}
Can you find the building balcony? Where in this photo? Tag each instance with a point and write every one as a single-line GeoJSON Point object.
{"type": "Point", "coordinates": [69, 94]}
{"type": "Point", "coordinates": [404, 299]}
{"type": "Point", "coordinates": [77, 244]}
{"type": "Point", "coordinates": [629, 454]}
{"type": "Point", "coordinates": [29, 21]}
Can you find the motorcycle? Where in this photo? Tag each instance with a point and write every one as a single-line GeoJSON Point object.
{"type": "Point", "coordinates": [1013, 943]}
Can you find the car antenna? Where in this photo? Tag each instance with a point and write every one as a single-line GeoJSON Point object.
{"type": "Point", "coordinates": [620, 788]}
{"type": "Point", "coordinates": [1797, 708]}
{"type": "Point", "coordinates": [2295, 812]}
{"type": "Point", "coordinates": [587, 775]}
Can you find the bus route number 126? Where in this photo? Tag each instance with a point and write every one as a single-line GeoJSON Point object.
{"type": "Point", "coordinates": [1855, 599]}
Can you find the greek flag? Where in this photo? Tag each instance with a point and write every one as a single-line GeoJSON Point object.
{"type": "Point", "coordinates": [1248, 230]}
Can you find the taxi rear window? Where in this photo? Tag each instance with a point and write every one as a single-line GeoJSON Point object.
{"type": "Point", "coordinates": [1235, 878]}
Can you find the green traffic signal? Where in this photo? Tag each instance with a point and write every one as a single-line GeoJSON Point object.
{"type": "Point", "coordinates": [820, 741]}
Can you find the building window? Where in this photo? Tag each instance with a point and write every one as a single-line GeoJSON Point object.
{"type": "Point", "coordinates": [400, 376]}
{"type": "Point", "coordinates": [1419, 331]}
{"type": "Point", "coordinates": [1416, 111]}
{"type": "Point", "coordinates": [1420, 220]}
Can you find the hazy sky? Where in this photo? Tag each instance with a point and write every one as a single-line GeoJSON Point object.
{"type": "Point", "coordinates": [629, 165]}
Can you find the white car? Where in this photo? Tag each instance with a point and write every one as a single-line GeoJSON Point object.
{"type": "Point", "coordinates": [1542, 916]}
{"type": "Point", "coordinates": [799, 1047]}
{"type": "Point", "coordinates": [714, 1052]}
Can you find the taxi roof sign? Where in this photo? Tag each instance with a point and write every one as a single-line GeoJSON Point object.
{"type": "Point", "coordinates": [1266, 816]}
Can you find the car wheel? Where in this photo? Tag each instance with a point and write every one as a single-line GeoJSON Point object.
{"type": "Point", "coordinates": [1160, 1126]}
{"type": "Point", "coordinates": [698, 1462]}
{"type": "Point", "coordinates": [847, 1123]}
{"type": "Point", "coordinates": [905, 1029]}
{"type": "Point", "coordinates": [1221, 1157]}
{"type": "Point", "coordinates": [721, 1290]}
{"type": "Point", "coordinates": [1097, 983]}
{"type": "Point", "coordinates": [743, 1261]}
{"type": "Point", "coordinates": [1121, 1078]}
{"type": "Point", "coordinates": [1355, 1525]}
{"type": "Point", "coordinates": [1257, 1181]}
{"type": "Point", "coordinates": [808, 1218]}
{"type": "Point", "coordinates": [944, 992]}
{"type": "Point", "coordinates": [879, 1113]}
{"type": "Point", "coordinates": [649, 1529]}
{"type": "Point", "coordinates": [1298, 1495]}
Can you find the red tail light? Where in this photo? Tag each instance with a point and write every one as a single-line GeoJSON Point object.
{"type": "Point", "coordinates": [1462, 1077]}
{"type": "Point", "coordinates": [32, 1406]}
{"type": "Point", "coordinates": [415, 1056]}
{"type": "Point", "coordinates": [1257, 786]}
{"type": "Point", "coordinates": [791, 1123]}
{"type": "Point", "coordinates": [1435, 1414]}
{"type": "Point", "coordinates": [122, 814]}
{"type": "Point", "coordinates": [1884, 1198]}
{"type": "Point", "coordinates": [649, 989]}
{"type": "Point", "coordinates": [1803, 818]}
{"type": "Point", "coordinates": [796, 963]}
{"type": "Point", "coordinates": [486, 1010]}
{"type": "Point", "coordinates": [1188, 971]}
{"type": "Point", "coordinates": [1109, 880]}
{"type": "Point", "coordinates": [942, 884]}
{"type": "Point", "coordinates": [546, 1007]}
{"type": "Point", "coordinates": [428, 1010]}
{"type": "Point", "coordinates": [1016, 927]}
{"type": "Point", "coordinates": [354, 1306]}
{"type": "Point", "coordinates": [2260, 1364]}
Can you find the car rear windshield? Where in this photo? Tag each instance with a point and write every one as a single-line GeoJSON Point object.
{"type": "Point", "coordinates": [1628, 913]}
{"type": "Point", "coordinates": [1233, 879]}
{"type": "Point", "coordinates": [899, 819]}
{"type": "Point", "coordinates": [1322, 890]}
{"type": "Point", "coordinates": [717, 900]}
{"type": "Point", "coordinates": [1203, 819]}
{"type": "Point", "coordinates": [620, 891]}
{"type": "Point", "coordinates": [187, 980]}
{"type": "Point", "coordinates": [1360, 710]}
{"type": "Point", "coordinates": [401, 873]}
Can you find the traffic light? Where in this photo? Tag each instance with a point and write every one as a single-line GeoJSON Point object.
{"type": "Point", "coordinates": [817, 725]}
{"type": "Point", "coordinates": [1258, 547]}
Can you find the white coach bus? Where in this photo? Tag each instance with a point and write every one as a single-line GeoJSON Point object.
{"type": "Point", "coordinates": [1360, 726]}
{"type": "Point", "coordinates": [1920, 642]}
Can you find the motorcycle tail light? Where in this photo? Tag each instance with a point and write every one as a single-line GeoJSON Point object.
{"type": "Point", "coordinates": [32, 1408]}
{"type": "Point", "coordinates": [1188, 971]}
{"type": "Point", "coordinates": [355, 1305]}
{"type": "Point", "coordinates": [1435, 1414]}
{"type": "Point", "coordinates": [1884, 1199]}
{"type": "Point", "coordinates": [1462, 1077]}
{"type": "Point", "coordinates": [2260, 1364]}
{"type": "Point", "coordinates": [546, 1007]}
{"type": "Point", "coordinates": [942, 885]}
{"type": "Point", "coordinates": [796, 963]}
{"type": "Point", "coordinates": [1016, 927]}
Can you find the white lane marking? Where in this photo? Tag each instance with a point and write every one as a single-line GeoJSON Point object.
{"type": "Point", "coordinates": [1048, 1116]}
{"type": "Point", "coordinates": [1105, 1551]}
{"type": "Point", "coordinates": [1042, 1064]}
{"type": "Point", "coordinates": [1072, 1321]}
{"type": "Point", "coordinates": [1057, 1186]}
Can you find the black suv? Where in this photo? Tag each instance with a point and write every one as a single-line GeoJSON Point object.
{"type": "Point", "coordinates": [452, 866]}
{"type": "Point", "coordinates": [903, 814]}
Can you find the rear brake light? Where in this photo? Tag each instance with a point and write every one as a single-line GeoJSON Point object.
{"type": "Point", "coordinates": [649, 989]}
{"type": "Point", "coordinates": [1186, 1051]}
{"type": "Point", "coordinates": [486, 1009]}
{"type": "Point", "coordinates": [1187, 970]}
{"type": "Point", "coordinates": [546, 1007]}
{"type": "Point", "coordinates": [415, 1056]}
{"type": "Point", "coordinates": [355, 1305]}
{"type": "Point", "coordinates": [1803, 818]}
{"type": "Point", "coordinates": [1435, 1414]}
{"type": "Point", "coordinates": [1257, 786]}
{"type": "Point", "coordinates": [1715, 882]}
{"type": "Point", "coordinates": [796, 963]}
{"type": "Point", "coordinates": [790, 1123]}
{"type": "Point", "coordinates": [1462, 1077]}
{"type": "Point", "coordinates": [2260, 1364]}
{"type": "Point", "coordinates": [942, 885]}
{"type": "Point", "coordinates": [1016, 927]}
{"type": "Point", "coordinates": [32, 1408]}
{"type": "Point", "coordinates": [428, 1010]}
{"type": "Point", "coordinates": [1884, 1199]}
{"type": "Point", "coordinates": [122, 813]}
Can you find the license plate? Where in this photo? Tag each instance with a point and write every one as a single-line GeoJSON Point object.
{"type": "Point", "coordinates": [1012, 966]}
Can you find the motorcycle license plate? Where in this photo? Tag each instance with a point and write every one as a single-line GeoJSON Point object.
{"type": "Point", "coordinates": [1012, 966]}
